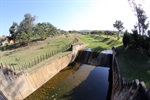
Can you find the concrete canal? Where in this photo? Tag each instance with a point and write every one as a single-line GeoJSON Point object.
{"type": "Point", "coordinates": [78, 81]}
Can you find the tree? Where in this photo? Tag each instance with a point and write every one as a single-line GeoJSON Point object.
{"type": "Point", "coordinates": [13, 30]}
{"type": "Point", "coordinates": [41, 31]}
{"type": "Point", "coordinates": [26, 28]}
{"type": "Point", "coordinates": [119, 26]}
{"type": "Point", "coordinates": [126, 39]}
{"type": "Point", "coordinates": [27, 24]}
{"type": "Point", "coordinates": [141, 16]}
{"type": "Point", "coordinates": [148, 33]}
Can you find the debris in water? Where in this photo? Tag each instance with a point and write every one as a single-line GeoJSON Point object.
{"type": "Point", "coordinates": [53, 96]}
{"type": "Point", "coordinates": [54, 99]}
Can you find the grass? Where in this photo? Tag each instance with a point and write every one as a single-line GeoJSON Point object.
{"type": "Point", "coordinates": [99, 43]}
{"type": "Point", "coordinates": [46, 61]}
{"type": "Point", "coordinates": [26, 54]}
{"type": "Point", "coordinates": [134, 65]}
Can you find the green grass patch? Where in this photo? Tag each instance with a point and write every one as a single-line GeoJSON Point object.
{"type": "Point", "coordinates": [99, 43]}
{"type": "Point", "coordinates": [134, 65]}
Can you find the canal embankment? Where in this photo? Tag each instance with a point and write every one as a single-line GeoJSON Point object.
{"type": "Point", "coordinates": [17, 86]}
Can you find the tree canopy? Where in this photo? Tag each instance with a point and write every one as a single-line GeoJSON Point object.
{"type": "Point", "coordinates": [27, 30]}
{"type": "Point", "coordinates": [141, 16]}
{"type": "Point", "coordinates": [119, 26]}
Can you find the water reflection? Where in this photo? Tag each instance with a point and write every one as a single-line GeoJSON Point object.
{"type": "Point", "coordinates": [86, 82]}
{"type": "Point", "coordinates": [107, 51]}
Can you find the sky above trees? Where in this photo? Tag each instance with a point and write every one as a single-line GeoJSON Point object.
{"type": "Point", "coordinates": [70, 14]}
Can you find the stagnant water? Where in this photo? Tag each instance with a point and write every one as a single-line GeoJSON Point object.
{"type": "Point", "coordinates": [82, 82]}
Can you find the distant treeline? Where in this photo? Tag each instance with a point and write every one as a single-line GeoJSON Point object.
{"type": "Point", "coordinates": [99, 32]}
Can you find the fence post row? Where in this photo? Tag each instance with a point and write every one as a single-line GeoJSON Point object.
{"type": "Point", "coordinates": [40, 58]}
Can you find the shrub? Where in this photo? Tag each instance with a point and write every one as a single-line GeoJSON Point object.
{"type": "Point", "coordinates": [126, 39]}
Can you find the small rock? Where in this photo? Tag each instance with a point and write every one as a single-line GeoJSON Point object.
{"type": "Point", "coordinates": [54, 99]}
{"type": "Point", "coordinates": [53, 96]}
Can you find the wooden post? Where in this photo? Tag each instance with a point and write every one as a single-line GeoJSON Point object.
{"type": "Point", "coordinates": [6, 65]}
{"type": "Point", "coordinates": [37, 59]}
{"type": "Point", "coordinates": [25, 66]}
{"type": "Point", "coordinates": [10, 66]}
{"type": "Point", "coordinates": [46, 56]}
{"type": "Point", "coordinates": [29, 65]}
{"type": "Point", "coordinates": [1, 65]}
{"type": "Point", "coordinates": [22, 67]}
{"type": "Point", "coordinates": [19, 67]}
{"type": "Point", "coordinates": [34, 61]}
{"type": "Point", "coordinates": [52, 53]}
{"type": "Point", "coordinates": [13, 67]}
{"type": "Point", "coordinates": [40, 58]}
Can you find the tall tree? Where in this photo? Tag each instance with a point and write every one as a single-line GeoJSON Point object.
{"type": "Point", "coordinates": [26, 27]}
{"type": "Point", "coordinates": [14, 30]}
{"type": "Point", "coordinates": [119, 26]}
{"type": "Point", "coordinates": [27, 24]}
{"type": "Point", "coordinates": [141, 16]}
{"type": "Point", "coordinates": [41, 31]}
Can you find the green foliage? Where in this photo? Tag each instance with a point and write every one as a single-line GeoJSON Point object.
{"type": "Point", "coordinates": [137, 41]}
{"type": "Point", "coordinates": [14, 30]}
{"type": "Point", "coordinates": [134, 65]}
{"type": "Point", "coordinates": [119, 26]}
{"type": "Point", "coordinates": [43, 30]}
{"type": "Point", "coordinates": [23, 37]}
{"type": "Point", "coordinates": [148, 33]}
{"type": "Point", "coordinates": [27, 31]}
{"type": "Point", "coordinates": [126, 39]}
{"type": "Point", "coordinates": [141, 16]}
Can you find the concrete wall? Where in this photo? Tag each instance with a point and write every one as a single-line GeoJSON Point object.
{"type": "Point", "coordinates": [17, 86]}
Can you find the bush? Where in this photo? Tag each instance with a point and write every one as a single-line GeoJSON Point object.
{"type": "Point", "coordinates": [126, 39]}
{"type": "Point", "coordinates": [137, 41]}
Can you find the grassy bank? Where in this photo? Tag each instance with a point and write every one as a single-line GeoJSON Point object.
{"type": "Point", "coordinates": [99, 43]}
{"type": "Point", "coordinates": [134, 65]}
{"type": "Point", "coordinates": [26, 54]}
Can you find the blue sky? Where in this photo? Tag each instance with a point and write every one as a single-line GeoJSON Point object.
{"type": "Point", "coordinates": [68, 14]}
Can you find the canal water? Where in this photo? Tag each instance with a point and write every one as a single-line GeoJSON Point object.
{"type": "Point", "coordinates": [75, 82]}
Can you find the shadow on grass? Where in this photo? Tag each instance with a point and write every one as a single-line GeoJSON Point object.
{"type": "Point", "coordinates": [105, 39]}
{"type": "Point", "coordinates": [110, 42]}
{"type": "Point", "coordinates": [98, 49]}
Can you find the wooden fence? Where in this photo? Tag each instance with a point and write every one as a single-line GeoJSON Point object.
{"type": "Point", "coordinates": [38, 59]}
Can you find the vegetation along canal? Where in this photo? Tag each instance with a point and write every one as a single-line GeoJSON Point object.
{"type": "Point", "coordinates": [76, 82]}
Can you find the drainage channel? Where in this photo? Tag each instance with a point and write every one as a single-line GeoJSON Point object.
{"type": "Point", "coordinates": [76, 82]}
{"type": "Point", "coordinates": [84, 83]}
